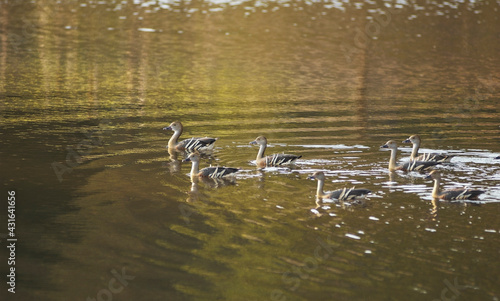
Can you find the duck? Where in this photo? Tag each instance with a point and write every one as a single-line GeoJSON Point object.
{"type": "Point", "coordinates": [408, 166]}
{"type": "Point", "coordinates": [344, 194]}
{"type": "Point", "coordinates": [415, 140]}
{"type": "Point", "coordinates": [271, 160]}
{"type": "Point", "coordinates": [192, 144]}
{"type": "Point", "coordinates": [452, 194]}
{"type": "Point", "coordinates": [208, 172]}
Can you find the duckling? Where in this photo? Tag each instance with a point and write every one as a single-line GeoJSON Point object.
{"type": "Point", "coordinates": [271, 160]}
{"type": "Point", "coordinates": [344, 194]}
{"type": "Point", "coordinates": [408, 166]}
{"type": "Point", "coordinates": [208, 172]}
{"type": "Point", "coordinates": [415, 140]}
{"type": "Point", "coordinates": [192, 144]}
{"type": "Point", "coordinates": [452, 194]}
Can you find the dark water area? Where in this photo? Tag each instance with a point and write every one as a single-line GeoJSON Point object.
{"type": "Point", "coordinates": [105, 212]}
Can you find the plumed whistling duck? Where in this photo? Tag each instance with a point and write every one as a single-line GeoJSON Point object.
{"type": "Point", "coordinates": [408, 166]}
{"type": "Point", "coordinates": [192, 144]}
{"type": "Point", "coordinates": [271, 160]}
{"type": "Point", "coordinates": [415, 140]}
{"type": "Point", "coordinates": [345, 194]}
{"type": "Point", "coordinates": [452, 194]}
{"type": "Point", "coordinates": [208, 172]}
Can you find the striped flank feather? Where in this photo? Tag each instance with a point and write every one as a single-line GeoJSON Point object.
{"type": "Point", "coordinates": [419, 166]}
{"type": "Point", "coordinates": [208, 172]}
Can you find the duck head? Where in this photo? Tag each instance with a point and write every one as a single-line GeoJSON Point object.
{"type": "Point", "coordinates": [193, 157]}
{"type": "Point", "coordinates": [412, 139]}
{"type": "Point", "coordinates": [174, 126]}
{"type": "Point", "coordinates": [391, 144]}
{"type": "Point", "coordinates": [261, 140]}
{"type": "Point", "coordinates": [319, 175]}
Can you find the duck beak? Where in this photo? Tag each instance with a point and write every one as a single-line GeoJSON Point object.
{"type": "Point", "coordinates": [428, 177]}
{"type": "Point", "coordinates": [384, 146]}
{"type": "Point", "coordinates": [311, 178]}
{"type": "Point", "coordinates": [253, 142]}
{"type": "Point", "coordinates": [187, 160]}
{"type": "Point", "coordinates": [407, 141]}
{"type": "Point", "coordinates": [167, 128]}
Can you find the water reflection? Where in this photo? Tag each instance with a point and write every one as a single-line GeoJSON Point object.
{"type": "Point", "coordinates": [174, 165]}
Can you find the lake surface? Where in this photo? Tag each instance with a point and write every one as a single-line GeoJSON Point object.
{"type": "Point", "coordinates": [105, 212]}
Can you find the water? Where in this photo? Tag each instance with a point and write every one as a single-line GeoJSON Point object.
{"type": "Point", "coordinates": [86, 88]}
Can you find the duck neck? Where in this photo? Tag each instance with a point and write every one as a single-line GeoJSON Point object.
{"type": "Point", "coordinates": [414, 150]}
{"type": "Point", "coordinates": [173, 140]}
{"type": "Point", "coordinates": [392, 160]}
{"type": "Point", "coordinates": [195, 168]}
{"type": "Point", "coordinates": [319, 190]}
{"type": "Point", "coordinates": [262, 149]}
{"type": "Point", "coordinates": [435, 190]}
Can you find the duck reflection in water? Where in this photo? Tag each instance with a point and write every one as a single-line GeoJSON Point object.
{"type": "Point", "coordinates": [434, 209]}
{"type": "Point", "coordinates": [327, 206]}
{"type": "Point", "coordinates": [464, 204]}
{"type": "Point", "coordinates": [174, 165]}
{"type": "Point", "coordinates": [193, 194]}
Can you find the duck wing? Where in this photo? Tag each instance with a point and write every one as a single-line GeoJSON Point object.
{"type": "Point", "coordinates": [434, 157]}
{"type": "Point", "coordinates": [460, 194]}
{"type": "Point", "coordinates": [196, 144]}
{"type": "Point", "coordinates": [281, 159]}
{"type": "Point", "coordinates": [417, 165]}
{"type": "Point", "coordinates": [348, 194]}
{"type": "Point", "coordinates": [217, 172]}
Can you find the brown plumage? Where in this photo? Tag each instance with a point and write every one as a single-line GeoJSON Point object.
{"type": "Point", "coordinates": [415, 140]}
{"type": "Point", "coordinates": [408, 166]}
{"type": "Point", "coordinates": [345, 194]}
{"type": "Point", "coordinates": [451, 194]}
{"type": "Point", "coordinates": [208, 172]}
{"type": "Point", "coordinates": [192, 144]}
{"type": "Point", "coordinates": [271, 160]}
